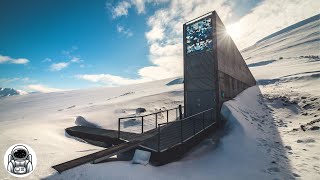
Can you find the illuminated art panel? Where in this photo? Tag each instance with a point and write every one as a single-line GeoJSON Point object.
{"type": "Point", "coordinates": [199, 36]}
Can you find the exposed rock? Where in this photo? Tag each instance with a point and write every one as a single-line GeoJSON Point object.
{"type": "Point", "coordinates": [288, 147]}
{"type": "Point", "coordinates": [306, 140]}
{"type": "Point", "coordinates": [314, 128]}
{"type": "Point", "coordinates": [140, 110]}
{"type": "Point", "coordinates": [307, 106]}
{"type": "Point", "coordinates": [295, 175]}
{"type": "Point", "coordinates": [274, 169]}
{"type": "Point", "coordinates": [81, 121]}
{"type": "Point", "coordinates": [313, 99]}
{"type": "Point", "coordinates": [10, 92]}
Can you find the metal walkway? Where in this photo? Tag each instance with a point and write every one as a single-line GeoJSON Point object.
{"type": "Point", "coordinates": [96, 157]}
{"type": "Point", "coordinates": [107, 135]}
{"type": "Point", "coordinates": [160, 138]}
{"type": "Point", "coordinates": [165, 129]}
{"type": "Point", "coordinates": [172, 130]}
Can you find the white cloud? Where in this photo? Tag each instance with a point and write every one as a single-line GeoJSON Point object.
{"type": "Point", "coordinates": [121, 9]}
{"type": "Point", "coordinates": [156, 33]}
{"type": "Point", "coordinates": [10, 80]}
{"type": "Point", "coordinates": [164, 67]}
{"type": "Point", "coordinates": [59, 66]}
{"type": "Point", "coordinates": [4, 59]}
{"type": "Point", "coordinates": [75, 60]}
{"type": "Point", "coordinates": [110, 80]}
{"type": "Point", "coordinates": [140, 5]}
{"type": "Point", "coordinates": [165, 34]}
{"type": "Point", "coordinates": [70, 51]}
{"type": "Point", "coordinates": [20, 61]}
{"type": "Point", "coordinates": [47, 60]}
{"type": "Point", "coordinates": [165, 40]}
{"type": "Point", "coordinates": [69, 59]}
{"type": "Point", "coordinates": [7, 59]}
{"type": "Point", "coordinates": [123, 30]}
{"type": "Point", "coordinates": [42, 88]}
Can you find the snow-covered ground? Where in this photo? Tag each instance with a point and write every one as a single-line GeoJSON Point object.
{"type": "Point", "coordinates": [263, 138]}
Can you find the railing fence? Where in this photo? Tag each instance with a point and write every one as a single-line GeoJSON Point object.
{"type": "Point", "coordinates": [167, 128]}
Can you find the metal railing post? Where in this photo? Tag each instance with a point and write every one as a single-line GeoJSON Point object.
{"type": "Point", "coordinates": [167, 116]}
{"type": "Point", "coordinates": [176, 113]}
{"type": "Point", "coordinates": [203, 120]}
{"type": "Point", "coordinates": [159, 138]}
{"type": "Point", "coordinates": [142, 125]}
{"type": "Point", "coordinates": [213, 116]}
{"type": "Point", "coordinates": [156, 120]}
{"type": "Point", "coordinates": [119, 128]}
{"type": "Point", "coordinates": [181, 132]}
{"type": "Point", "coordinates": [180, 112]}
{"type": "Point", "coordinates": [194, 126]}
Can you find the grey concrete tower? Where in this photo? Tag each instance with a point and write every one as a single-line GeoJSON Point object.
{"type": "Point", "coordinates": [214, 70]}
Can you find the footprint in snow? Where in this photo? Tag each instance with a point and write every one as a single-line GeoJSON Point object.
{"type": "Point", "coordinates": [71, 107]}
{"type": "Point", "coordinates": [295, 175]}
{"type": "Point", "coordinates": [273, 169]}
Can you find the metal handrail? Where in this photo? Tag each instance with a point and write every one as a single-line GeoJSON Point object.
{"type": "Point", "coordinates": [188, 116]}
{"type": "Point", "coordinates": [195, 132]}
{"type": "Point", "coordinates": [148, 114]}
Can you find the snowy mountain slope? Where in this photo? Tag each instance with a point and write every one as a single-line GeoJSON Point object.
{"type": "Point", "coordinates": [293, 55]}
{"type": "Point", "coordinates": [10, 92]}
{"type": "Point", "coordinates": [237, 156]}
{"type": "Point", "coordinates": [39, 120]}
{"type": "Point", "coordinates": [302, 40]}
{"type": "Point", "coordinates": [289, 28]}
{"type": "Point", "coordinates": [287, 67]}
{"type": "Point", "coordinates": [263, 137]}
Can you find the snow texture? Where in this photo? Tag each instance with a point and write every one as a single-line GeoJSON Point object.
{"type": "Point", "coordinates": [271, 131]}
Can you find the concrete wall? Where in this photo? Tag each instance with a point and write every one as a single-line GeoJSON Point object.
{"type": "Point", "coordinates": [216, 74]}
{"type": "Point", "coordinates": [199, 83]}
{"type": "Point", "coordinates": [234, 75]}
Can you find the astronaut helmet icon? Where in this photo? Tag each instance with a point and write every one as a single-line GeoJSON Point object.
{"type": "Point", "coordinates": [20, 160]}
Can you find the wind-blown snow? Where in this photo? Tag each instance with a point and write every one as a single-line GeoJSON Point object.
{"type": "Point", "coordinates": [271, 131]}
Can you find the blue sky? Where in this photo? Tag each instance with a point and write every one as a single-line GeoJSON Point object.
{"type": "Point", "coordinates": [48, 45]}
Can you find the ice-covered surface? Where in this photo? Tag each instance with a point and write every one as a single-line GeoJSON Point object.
{"type": "Point", "coordinates": [271, 133]}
